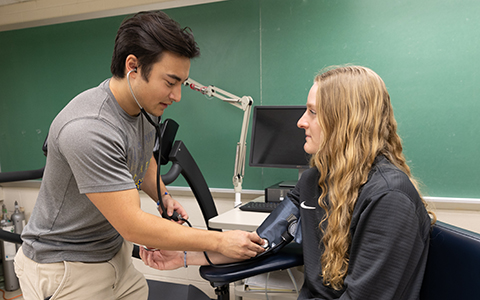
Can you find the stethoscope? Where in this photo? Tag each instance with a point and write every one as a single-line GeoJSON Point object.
{"type": "Point", "coordinates": [175, 216]}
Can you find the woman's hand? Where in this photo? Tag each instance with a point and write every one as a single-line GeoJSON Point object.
{"type": "Point", "coordinates": [162, 259]}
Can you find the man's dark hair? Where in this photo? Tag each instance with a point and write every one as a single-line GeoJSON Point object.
{"type": "Point", "coordinates": [147, 35]}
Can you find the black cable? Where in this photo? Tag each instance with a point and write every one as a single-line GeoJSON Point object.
{"type": "Point", "coordinates": [175, 216]}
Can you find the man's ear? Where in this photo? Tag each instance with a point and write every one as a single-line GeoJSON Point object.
{"type": "Point", "coordinates": [131, 63]}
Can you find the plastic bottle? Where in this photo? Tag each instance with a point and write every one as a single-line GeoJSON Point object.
{"type": "Point", "coordinates": [8, 254]}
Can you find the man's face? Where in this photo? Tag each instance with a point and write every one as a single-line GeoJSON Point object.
{"type": "Point", "coordinates": [164, 84]}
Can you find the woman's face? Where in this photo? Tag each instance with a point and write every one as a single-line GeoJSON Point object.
{"type": "Point", "coordinates": [309, 122]}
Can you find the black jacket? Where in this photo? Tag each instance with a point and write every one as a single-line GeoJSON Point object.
{"type": "Point", "coordinates": [389, 233]}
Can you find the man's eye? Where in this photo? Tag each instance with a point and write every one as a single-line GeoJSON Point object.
{"type": "Point", "coordinates": [170, 83]}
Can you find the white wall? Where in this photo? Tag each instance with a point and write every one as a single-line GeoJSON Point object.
{"type": "Point", "coordinates": [44, 12]}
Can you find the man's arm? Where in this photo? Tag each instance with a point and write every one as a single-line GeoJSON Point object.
{"type": "Point", "coordinates": [149, 186]}
{"type": "Point", "coordinates": [122, 210]}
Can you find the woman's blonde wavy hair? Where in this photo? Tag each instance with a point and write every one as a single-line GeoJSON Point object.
{"type": "Point", "coordinates": [356, 116]}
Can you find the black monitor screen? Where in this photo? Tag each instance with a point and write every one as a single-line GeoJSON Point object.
{"type": "Point", "coordinates": [277, 142]}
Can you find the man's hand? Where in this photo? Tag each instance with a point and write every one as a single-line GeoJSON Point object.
{"type": "Point", "coordinates": [241, 244]}
{"type": "Point", "coordinates": [173, 205]}
{"type": "Point", "coordinates": [149, 186]}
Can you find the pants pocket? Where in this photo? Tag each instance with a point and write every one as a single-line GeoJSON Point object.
{"type": "Point", "coordinates": [63, 283]}
{"type": "Point", "coordinates": [18, 263]}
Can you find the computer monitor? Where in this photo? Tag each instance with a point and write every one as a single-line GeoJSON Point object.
{"type": "Point", "coordinates": [277, 142]}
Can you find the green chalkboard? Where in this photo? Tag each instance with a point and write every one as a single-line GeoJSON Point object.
{"type": "Point", "coordinates": [427, 52]}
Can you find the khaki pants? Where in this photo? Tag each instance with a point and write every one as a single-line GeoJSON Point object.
{"type": "Point", "coordinates": [114, 279]}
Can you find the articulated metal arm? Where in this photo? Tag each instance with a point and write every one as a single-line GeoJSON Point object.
{"type": "Point", "coordinates": [245, 103]}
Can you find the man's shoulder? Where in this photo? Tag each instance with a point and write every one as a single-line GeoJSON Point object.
{"type": "Point", "coordinates": [88, 102]}
{"type": "Point", "coordinates": [88, 106]}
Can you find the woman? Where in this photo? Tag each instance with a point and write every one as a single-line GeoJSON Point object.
{"type": "Point", "coordinates": [365, 228]}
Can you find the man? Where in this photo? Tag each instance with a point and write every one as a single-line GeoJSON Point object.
{"type": "Point", "coordinates": [78, 241]}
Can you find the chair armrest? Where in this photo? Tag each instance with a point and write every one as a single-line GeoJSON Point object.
{"type": "Point", "coordinates": [288, 257]}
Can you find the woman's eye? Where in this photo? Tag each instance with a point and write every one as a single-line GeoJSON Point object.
{"type": "Point", "coordinates": [313, 112]}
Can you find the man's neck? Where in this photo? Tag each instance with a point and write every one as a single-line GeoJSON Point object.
{"type": "Point", "coordinates": [121, 92]}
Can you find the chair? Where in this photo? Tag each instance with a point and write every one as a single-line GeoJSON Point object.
{"type": "Point", "coordinates": [453, 264]}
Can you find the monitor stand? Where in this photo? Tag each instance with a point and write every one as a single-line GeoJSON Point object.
{"type": "Point", "coordinates": [292, 183]}
{"type": "Point", "coordinates": [288, 183]}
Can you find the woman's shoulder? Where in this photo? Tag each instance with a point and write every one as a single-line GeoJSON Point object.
{"type": "Point", "coordinates": [387, 181]}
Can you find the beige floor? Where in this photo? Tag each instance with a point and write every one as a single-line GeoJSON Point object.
{"type": "Point", "coordinates": [13, 295]}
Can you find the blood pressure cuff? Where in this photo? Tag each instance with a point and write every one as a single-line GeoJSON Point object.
{"type": "Point", "coordinates": [281, 226]}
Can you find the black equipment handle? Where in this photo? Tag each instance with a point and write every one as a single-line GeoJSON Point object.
{"type": "Point", "coordinates": [21, 175]}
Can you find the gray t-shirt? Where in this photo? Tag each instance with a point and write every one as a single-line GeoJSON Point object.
{"type": "Point", "coordinates": [93, 146]}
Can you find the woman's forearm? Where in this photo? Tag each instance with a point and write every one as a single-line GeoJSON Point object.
{"type": "Point", "coordinates": [198, 258]}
